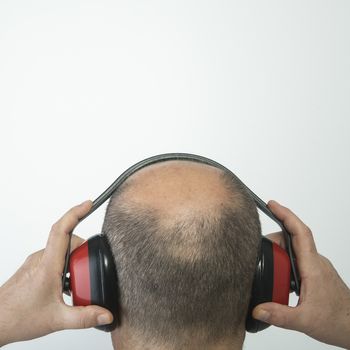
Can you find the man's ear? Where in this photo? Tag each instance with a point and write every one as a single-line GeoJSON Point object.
{"type": "Point", "coordinates": [278, 238]}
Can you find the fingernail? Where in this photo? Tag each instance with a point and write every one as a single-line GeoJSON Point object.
{"type": "Point", "coordinates": [103, 319]}
{"type": "Point", "coordinates": [82, 203]}
{"type": "Point", "coordinates": [262, 315]}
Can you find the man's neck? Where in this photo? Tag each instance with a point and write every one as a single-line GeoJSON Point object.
{"type": "Point", "coordinates": [124, 340]}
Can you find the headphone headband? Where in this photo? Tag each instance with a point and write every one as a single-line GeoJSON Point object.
{"type": "Point", "coordinates": [295, 282]}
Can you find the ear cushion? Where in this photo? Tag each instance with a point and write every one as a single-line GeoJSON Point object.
{"type": "Point", "coordinates": [271, 281]}
{"type": "Point", "coordinates": [93, 278]}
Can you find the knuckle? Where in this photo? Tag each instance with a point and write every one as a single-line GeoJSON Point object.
{"type": "Point", "coordinates": [84, 321]}
{"type": "Point", "coordinates": [308, 230]}
{"type": "Point", "coordinates": [73, 212]}
{"type": "Point", "coordinates": [288, 211]}
{"type": "Point", "coordinates": [33, 256]}
{"type": "Point", "coordinates": [324, 259]}
{"type": "Point", "coordinates": [71, 218]}
{"type": "Point", "coordinates": [83, 318]}
{"type": "Point", "coordinates": [326, 267]}
{"type": "Point", "coordinates": [55, 227]}
{"type": "Point", "coordinates": [29, 258]}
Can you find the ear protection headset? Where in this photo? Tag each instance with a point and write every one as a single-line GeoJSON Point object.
{"type": "Point", "coordinates": [93, 280]}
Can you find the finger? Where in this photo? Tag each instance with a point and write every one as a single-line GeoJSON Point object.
{"type": "Point", "coordinates": [59, 236]}
{"type": "Point", "coordinates": [76, 317]}
{"type": "Point", "coordinates": [76, 242]}
{"type": "Point", "coordinates": [302, 239]}
{"type": "Point", "coordinates": [278, 238]}
{"type": "Point", "coordinates": [279, 315]}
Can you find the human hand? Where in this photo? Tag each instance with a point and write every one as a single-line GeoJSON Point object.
{"type": "Point", "coordinates": [323, 310]}
{"type": "Point", "coordinates": [31, 300]}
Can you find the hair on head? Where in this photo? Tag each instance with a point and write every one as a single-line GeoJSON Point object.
{"type": "Point", "coordinates": [187, 276]}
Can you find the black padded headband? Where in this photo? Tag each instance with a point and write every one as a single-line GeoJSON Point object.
{"type": "Point", "coordinates": [295, 282]}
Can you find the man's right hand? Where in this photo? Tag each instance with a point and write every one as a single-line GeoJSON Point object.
{"type": "Point", "coordinates": [323, 311]}
{"type": "Point", "coordinates": [31, 300]}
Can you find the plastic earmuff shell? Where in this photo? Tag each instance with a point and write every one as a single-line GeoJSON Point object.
{"type": "Point", "coordinates": [271, 281]}
{"type": "Point", "coordinates": [93, 277]}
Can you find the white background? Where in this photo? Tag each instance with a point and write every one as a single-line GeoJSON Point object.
{"type": "Point", "coordinates": [87, 88]}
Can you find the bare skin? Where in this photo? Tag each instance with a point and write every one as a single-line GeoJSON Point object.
{"type": "Point", "coordinates": [127, 339]}
{"type": "Point", "coordinates": [176, 186]}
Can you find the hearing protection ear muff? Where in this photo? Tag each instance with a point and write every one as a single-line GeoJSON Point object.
{"type": "Point", "coordinates": [93, 279]}
{"type": "Point", "coordinates": [271, 281]}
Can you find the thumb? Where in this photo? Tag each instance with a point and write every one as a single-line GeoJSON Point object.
{"type": "Point", "coordinates": [278, 315]}
{"type": "Point", "coordinates": [76, 317]}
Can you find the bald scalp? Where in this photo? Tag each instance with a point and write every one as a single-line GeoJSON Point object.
{"type": "Point", "coordinates": [183, 195]}
{"type": "Point", "coordinates": [185, 237]}
{"type": "Point", "coordinates": [173, 184]}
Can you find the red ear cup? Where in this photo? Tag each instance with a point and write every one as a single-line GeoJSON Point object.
{"type": "Point", "coordinates": [271, 281]}
{"type": "Point", "coordinates": [93, 277]}
{"type": "Point", "coordinates": [281, 275]}
{"type": "Point", "coordinates": [79, 270]}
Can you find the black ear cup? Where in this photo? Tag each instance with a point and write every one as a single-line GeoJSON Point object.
{"type": "Point", "coordinates": [262, 285]}
{"type": "Point", "coordinates": [103, 278]}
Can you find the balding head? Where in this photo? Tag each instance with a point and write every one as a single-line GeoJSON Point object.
{"type": "Point", "coordinates": [185, 237]}
{"type": "Point", "coordinates": [178, 186]}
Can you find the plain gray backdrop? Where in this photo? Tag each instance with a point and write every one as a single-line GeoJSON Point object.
{"type": "Point", "coordinates": [87, 88]}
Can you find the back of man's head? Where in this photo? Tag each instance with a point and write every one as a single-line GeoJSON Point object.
{"type": "Point", "coordinates": [185, 238]}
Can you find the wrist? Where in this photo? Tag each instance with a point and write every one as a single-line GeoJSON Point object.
{"type": "Point", "coordinates": [343, 327]}
{"type": "Point", "coordinates": [347, 324]}
{"type": "Point", "coordinates": [4, 330]}
{"type": "Point", "coordinates": [7, 320]}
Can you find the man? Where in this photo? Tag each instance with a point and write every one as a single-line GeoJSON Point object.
{"type": "Point", "coordinates": [185, 239]}
{"type": "Point", "coordinates": [177, 217]}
